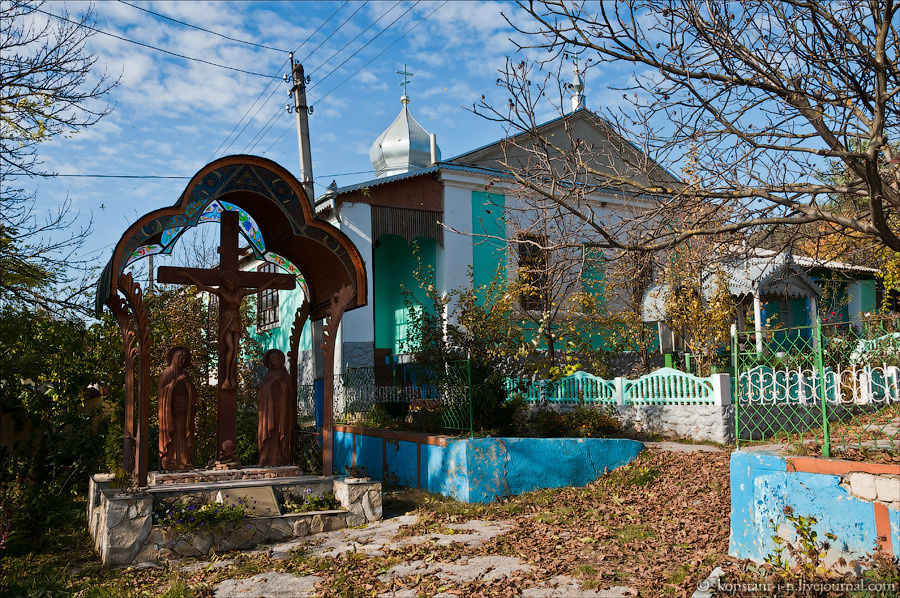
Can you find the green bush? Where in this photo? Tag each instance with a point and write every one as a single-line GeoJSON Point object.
{"type": "Point", "coordinates": [193, 518]}
{"type": "Point", "coordinates": [311, 503]}
{"type": "Point", "coordinates": [581, 422]}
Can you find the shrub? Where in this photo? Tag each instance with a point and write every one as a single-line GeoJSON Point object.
{"type": "Point", "coordinates": [192, 518]}
{"type": "Point", "coordinates": [581, 422]}
{"type": "Point", "coordinates": [311, 503]}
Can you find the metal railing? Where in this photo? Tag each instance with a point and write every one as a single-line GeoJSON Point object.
{"type": "Point", "coordinates": [409, 396]}
{"type": "Point", "coordinates": [828, 386]}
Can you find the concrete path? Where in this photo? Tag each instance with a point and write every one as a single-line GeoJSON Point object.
{"type": "Point", "coordinates": [375, 538]}
{"type": "Point", "coordinates": [679, 447]}
{"type": "Point", "coordinates": [268, 585]}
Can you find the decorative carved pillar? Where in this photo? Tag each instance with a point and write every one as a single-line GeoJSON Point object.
{"type": "Point", "coordinates": [119, 308]}
{"type": "Point", "coordinates": [339, 303]}
{"type": "Point", "coordinates": [300, 317]}
{"type": "Point", "coordinates": [133, 294]}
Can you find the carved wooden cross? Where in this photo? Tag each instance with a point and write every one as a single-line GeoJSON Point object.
{"type": "Point", "coordinates": [231, 285]}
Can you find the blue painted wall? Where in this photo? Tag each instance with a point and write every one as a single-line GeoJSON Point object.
{"type": "Point", "coordinates": [761, 486]}
{"type": "Point", "coordinates": [478, 470]}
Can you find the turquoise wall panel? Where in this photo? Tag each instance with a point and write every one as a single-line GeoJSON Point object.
{"type": "Point", "coordinates": [488, 254]}
{"type": "Point", "coordinates": [479, 470]}
{"type": "Point", "coordinates": [280, 336]}
{"type": "Point", "coordinates": [867, 302]}
{"type": "Point", "coordinates": [394, 264]}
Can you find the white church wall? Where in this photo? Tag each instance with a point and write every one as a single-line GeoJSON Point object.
{"type": "Point", "coordinates": [357, 329]}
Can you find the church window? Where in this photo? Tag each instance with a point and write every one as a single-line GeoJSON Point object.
{"type": "Point", "coordinates": [267, 303]}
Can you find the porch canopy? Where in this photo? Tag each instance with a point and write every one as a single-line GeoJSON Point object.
{"type": "Point", "coordinates": [777, 275]}
{"type": "Point", "coordinates": [276, 219]}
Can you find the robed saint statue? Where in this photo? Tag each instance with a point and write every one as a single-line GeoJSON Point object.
{"type": "Point", "coordinates": [276, 421]}
{"type": "Point", "coordinates": [177, 406]}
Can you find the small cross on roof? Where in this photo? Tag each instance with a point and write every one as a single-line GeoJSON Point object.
{"type": "Point", "coordinates": [406, 80]}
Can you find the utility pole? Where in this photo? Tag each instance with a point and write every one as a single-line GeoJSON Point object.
{"type": "Point", "coordinates": [302, 111]}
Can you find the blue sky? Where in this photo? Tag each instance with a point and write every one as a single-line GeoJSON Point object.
{"type": "Point", "coordinates": [171, 116]}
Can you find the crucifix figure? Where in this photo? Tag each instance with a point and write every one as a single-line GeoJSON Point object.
{"type": "Point", "coordinates": [231, 285]}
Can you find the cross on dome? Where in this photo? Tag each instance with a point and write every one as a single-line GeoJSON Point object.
{"type": "Point", "coordinates": [404, 83]}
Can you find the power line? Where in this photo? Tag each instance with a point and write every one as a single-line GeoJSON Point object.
{"type": "Point", "coordinates": [386, 48]}
{"type": "Point", "coordinates": [334, 70]}
{"type": "Point", "coordinates": [160, 176]}
{"type": "Point", "coordinates": [131, 41]}
{"type": "Point", "coordinates": [356, 37]}
{"type": "Point", "coordinates": [259, 136]}
{"type": "Point", "coordinates": [112, 176]}
{"type": "Point", "coordinates": [339, 27]}
{"type": "Point", "coordinates": [246, 112]}
{"type": "Point", "coordinates": [354, 73]}
{"type": "Point", "coordinates": [262, 131]}
{"type": "Point", "coordinates": [222, 35]}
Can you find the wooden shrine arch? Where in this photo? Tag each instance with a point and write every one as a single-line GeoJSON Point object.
{"type": "Point", "coordinates": [286, 228]}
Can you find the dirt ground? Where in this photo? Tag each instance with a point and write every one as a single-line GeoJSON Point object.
{"type": "Point", "coordinates": [655, 527]}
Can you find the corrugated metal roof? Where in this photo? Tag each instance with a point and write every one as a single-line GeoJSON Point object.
{"type": "Point", "coordinates": [408, 175]}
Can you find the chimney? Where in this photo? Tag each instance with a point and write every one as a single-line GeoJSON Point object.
{"type": "Point", "coordinates": [433, 139]}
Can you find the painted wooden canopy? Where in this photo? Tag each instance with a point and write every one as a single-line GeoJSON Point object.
{"type": "Point", "coordinates": [276, 219]}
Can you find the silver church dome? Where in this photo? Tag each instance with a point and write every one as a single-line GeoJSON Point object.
{"type": "Point", "coordinates": [403, 147]}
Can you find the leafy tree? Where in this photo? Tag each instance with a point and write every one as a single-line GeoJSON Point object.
{"type": "Point", "coordinates": [50, 88]}
{"type": "Point", "coordinates": [52, 372]}
{"type": "Point", "coordinates": [762, 93]}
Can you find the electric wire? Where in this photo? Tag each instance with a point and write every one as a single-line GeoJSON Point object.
{"type": "Point", "coordinates": [152, 47]}
{"type": "Point", "coordinates": [310, 53]}
{"type": "Point", "coordinates": [51, 175]}
{"type": "Point", "coordinates": [259, 136]}
{"type": "Point", "coordinates": [342, 48]}
{"type": "Point", "coordinates": [258, 97]}
{"type": "Point", "coordinates": [354, 73]}
{"type": "Point", "coordinates": [197, 27]}
{"type": "Point", "coordinates": [386, 48]}
{"type": "Point", "coordinates": [266, 127]}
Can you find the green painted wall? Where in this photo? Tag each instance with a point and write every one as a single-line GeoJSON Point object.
{"type": "Point", "coordinates": [394, 264]}
{"type": "Point", "coordinates": [280, 336]}
{"type": "Point", "coordinates": [488, 254]}
{"type": "Point", "coordinates": [592, 274]}
{"type": "Point", "coordinates": [867, 288]}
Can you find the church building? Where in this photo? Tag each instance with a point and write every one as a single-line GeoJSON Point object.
{"type": "Point", "coordinates": [424, 213]}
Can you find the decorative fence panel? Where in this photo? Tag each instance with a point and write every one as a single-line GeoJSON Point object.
{"type": "Point", "coordinates": [665, 386]}
{"type": "Point", "coordinates": [410, 396]}
{"type": "Point", "coordinates": [829, 384]}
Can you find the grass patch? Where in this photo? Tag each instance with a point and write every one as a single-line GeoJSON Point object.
{"type": "Point", "coordinates": [630, 533]}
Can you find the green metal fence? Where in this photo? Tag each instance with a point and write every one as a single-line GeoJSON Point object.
{"type": "Point", "coordinates": [830, 387]}
{"type": "Point", "coordinates": [409, 396]}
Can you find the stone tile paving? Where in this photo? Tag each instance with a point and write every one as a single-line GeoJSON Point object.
{"type": "Point", "coordinates": [374, 539]}
{"type": "Point", "coordinates": [650, 529]}
{"type": "Point", "coordinates": [268, 585]}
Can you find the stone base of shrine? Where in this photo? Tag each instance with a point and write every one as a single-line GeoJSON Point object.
{"type": "Point", "coordinates": [194, 476]}
{"type": "Point", "coordinates": [126, 531]}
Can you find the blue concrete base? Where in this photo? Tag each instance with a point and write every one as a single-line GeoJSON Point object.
{"type": "Point", "coordinates": [762, 486]}
{"type": "Point", "coordinates": [478, 470]}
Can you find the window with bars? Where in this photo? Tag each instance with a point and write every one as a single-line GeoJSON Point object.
{"type": "Point", "coordinates": [267, 303]}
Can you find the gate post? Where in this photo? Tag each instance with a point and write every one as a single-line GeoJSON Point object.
{"type": "Point", "coordinates": [737, 382]}
{"type": "Point", "coordinates": [823, 391]}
